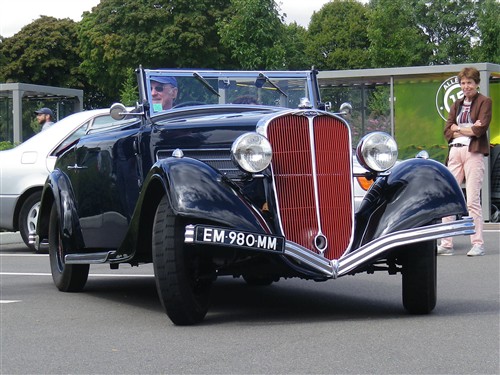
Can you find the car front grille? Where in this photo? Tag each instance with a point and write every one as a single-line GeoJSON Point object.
{"type": "Point", "coordinates": [313, 183]}
{"type": "Point", "coordinates": [220, 159]}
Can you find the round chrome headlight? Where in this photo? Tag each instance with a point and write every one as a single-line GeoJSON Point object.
{"type": "Point", "coordinates": [252, 152]}
{"type": "Point", "coordinates": [377, 151]}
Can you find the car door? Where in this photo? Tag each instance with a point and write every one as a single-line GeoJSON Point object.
{"type": "Point", "coordinates": [104, 179]}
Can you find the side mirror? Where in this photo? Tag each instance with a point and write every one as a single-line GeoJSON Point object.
{"type": "Point", "coordinates": [118, 111]}
{"type": "Point", "coordinates": [345, 109]}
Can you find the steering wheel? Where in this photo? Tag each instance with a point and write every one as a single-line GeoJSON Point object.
{"type": "Point", "coordinates": [188, 104]}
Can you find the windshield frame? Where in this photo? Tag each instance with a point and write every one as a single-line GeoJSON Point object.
{"type": "Point", "coordinates": [266, 82]}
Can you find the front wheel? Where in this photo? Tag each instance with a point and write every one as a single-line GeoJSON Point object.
{"type": "Point", "coordinates": [419, 277]}
{"type": "Point", "coordinates": [67, 277]}
{"type": "Point", "coordinates": [183, 278]}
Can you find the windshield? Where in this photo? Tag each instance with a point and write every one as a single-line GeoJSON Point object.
{"type": "Point", "coordinates": [168, 89]}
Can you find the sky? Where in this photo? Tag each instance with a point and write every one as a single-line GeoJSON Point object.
{"type": "Point", "coordinates": [15, 14]}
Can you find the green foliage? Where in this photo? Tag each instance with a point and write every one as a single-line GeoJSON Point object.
{"type": "Point", "coordinates": [295, 40]}
{"type": "Point", "coordinates": [129, 92]}
{"type": "Point", "coordinates": [338, 36]}
{"type": "Point", "coordinates": [254, 33]}
{"type": "Point", "coordinates": [117, 35]}
{"type": "Point", "coordinates": [450, 27]}
{"type": "Point", "coordinates": [488, 45]}
{"type": "Point", "coordinates": [379, 102]}
{"type": "Point", "coordinates": [45, 52]}
{"type": "Point", "coordinates": [121, 34]}
{"type": "Point", "coordinates": [5, 145]}
{"type": "Point", "coordinates": [395, 38]}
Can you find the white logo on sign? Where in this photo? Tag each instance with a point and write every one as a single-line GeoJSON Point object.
{"type": "Point", "coordinates": [448, 93]}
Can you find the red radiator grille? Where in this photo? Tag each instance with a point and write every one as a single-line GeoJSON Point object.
{"type": "Point", "coordinates": [294, 179]}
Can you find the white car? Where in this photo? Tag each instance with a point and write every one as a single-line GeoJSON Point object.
{"type": "Point", "coordinates": [24, 169]}
{"type": "Point", "coordinates": [361, 183]}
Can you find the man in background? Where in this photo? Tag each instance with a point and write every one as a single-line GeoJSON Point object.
{"type": "Point", "coordinates": [45, 118]}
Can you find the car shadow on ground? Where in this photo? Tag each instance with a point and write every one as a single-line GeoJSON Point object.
{"type": "Point", "coordinates": [233, 300]}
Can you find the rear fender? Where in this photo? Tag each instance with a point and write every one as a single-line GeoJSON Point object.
{"type": "Point", "coordinates": [415, 193]}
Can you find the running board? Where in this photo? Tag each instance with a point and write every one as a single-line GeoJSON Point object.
{"type": "Point", "coordinates": [90, 258]}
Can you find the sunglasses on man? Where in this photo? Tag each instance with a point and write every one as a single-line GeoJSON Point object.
{"type": "Point", "coordinates": [159, 88]}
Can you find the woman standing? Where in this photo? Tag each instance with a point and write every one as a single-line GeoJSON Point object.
{"type": "Point", "coordinates": [466, 132]}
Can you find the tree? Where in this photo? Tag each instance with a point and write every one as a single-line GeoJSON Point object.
{"type": "Point", "coordinates": [395, 38]}
{"type": "Point", "coordinates": [338, 36]}
{"type": "Point", "coordinates": [129, 94]}
{"type": "Point", "coordinates": [450, 26]}
{"type": "Point", "coordinates": [487, 48]}
{"type": "Point", "coordinates": [254, 33]}
{"type": "Point", "coordinates": [295, 40]}
{"type": "Point", "coordinates": [45, 52]}
{"type": "Point", "coordinates": [121, 34]}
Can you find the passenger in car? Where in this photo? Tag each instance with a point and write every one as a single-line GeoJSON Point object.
{"type": "Point", "coordinates": [163, 92]}
{"type": "Point", "coordinates": [245, 99]}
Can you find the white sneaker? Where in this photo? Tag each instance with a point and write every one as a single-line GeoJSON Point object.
{"type": "Point", "coordinates": [477, 250]}
{"type": "Point", "coordinates": [444, 250]}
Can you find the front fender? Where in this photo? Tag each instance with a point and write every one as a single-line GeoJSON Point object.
{"type": "Point", "coordinates": [58, 191]}
{"type": "Point", "coordinates": [415, 193]}
{"type": "Point", "coordinates": [198, 191]}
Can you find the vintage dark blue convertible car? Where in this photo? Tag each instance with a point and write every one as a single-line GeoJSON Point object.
{"type": "Point", "coordinates": [246, 175]}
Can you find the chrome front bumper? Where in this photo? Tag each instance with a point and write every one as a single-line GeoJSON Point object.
{"type": "Point", "coordinates": [376, 249]}
{"type": "Point", "coordinates": [371, 251]}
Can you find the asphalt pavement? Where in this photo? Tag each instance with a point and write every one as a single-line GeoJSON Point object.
{"type": "Point", "coordinates": [352, 325]}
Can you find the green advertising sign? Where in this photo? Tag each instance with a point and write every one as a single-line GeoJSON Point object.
{"type": "Point", "coordinates": [421, 109]}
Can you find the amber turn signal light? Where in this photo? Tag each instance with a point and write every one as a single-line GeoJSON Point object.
{"type": "Point", "coordinates": [364, 182]}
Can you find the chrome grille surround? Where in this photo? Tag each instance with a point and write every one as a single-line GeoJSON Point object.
{"type": "Point", "coordinates": [312, 180]}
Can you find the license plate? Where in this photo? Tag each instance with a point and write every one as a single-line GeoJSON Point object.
{"type": "Point", "coordinates": [248, 240]}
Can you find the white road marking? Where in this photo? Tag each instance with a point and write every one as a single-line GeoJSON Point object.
{"type": "Point", "coordinates": [8, 301]}
{"type": "Point", "coordinates": [23, 255]}
{"type": "Point", "coordinates": [90, 274]}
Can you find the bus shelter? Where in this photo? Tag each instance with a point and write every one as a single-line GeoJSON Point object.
{"type": "Point", "coordinates": [18, 101]}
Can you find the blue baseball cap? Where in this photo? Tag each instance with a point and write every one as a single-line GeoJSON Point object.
{"type": "Point", "coordinates": [164, 79]}
{"type": "Point", "coordinates": [45, 111]}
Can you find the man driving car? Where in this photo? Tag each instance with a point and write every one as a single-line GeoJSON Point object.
{"type": "Point", "coordinates": [163, 92]}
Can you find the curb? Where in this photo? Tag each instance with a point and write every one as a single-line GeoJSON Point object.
{"type": "Point", "coordinates": [10, 238]}
{"type": "Point", "coordinates": [491, 226]}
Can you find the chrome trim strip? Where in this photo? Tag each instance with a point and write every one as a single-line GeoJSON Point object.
{"type": "Point", "coordinates": [39, 245]}
{"type": "Point", "coordinates": [92, 258]}
{"type": "Point", "coordinates": [346, 264]}
{"type": "Point", "coordinates": [189, 234]}
{"type": "Point", "coordinates": [408, 236]}
{"type": "Point", "coordinates": [311, 259]}
{"type": "Point", "coordinates": [312, 142]}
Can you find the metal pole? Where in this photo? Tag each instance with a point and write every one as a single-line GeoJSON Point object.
{"type": "Point", "coordinates": [17, 115]}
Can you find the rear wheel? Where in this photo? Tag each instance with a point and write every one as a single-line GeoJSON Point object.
{"type": "Point", "coordinates": [67, 277]}
{"type": "Point", "coordinates": [419, 277]}
{"type": "Point", "coordinates": [182, 277]}
{"type": "Point", "coordinates": [28, 216]}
